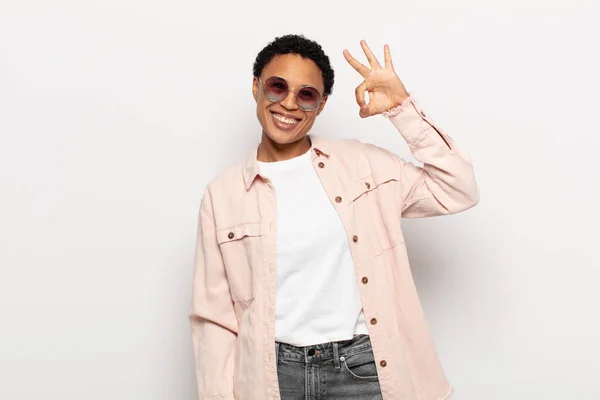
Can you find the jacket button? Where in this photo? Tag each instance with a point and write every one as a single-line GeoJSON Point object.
{"type": "Point", "coordinates": [321, 165]}
{"type": "Point", "coordinates": [338, 199]}
{"type": "Point", "coordinates": [231, 235]}
{"type": "Point", "coordinates": [373, 321]}
{"type": "Point", "coordinates": [368, 185]}
{"type": "Point", "coordinates": [311, 352]}
{"type": "Point", "coordinates": [383, 363]}
{"type": "Point", "coordinates": [355, 238]}
{"type": "Point", "coordinates": [365, 279]}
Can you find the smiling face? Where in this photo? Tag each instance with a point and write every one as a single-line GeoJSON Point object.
{"type": "Point", "coordinates": [284, 123]}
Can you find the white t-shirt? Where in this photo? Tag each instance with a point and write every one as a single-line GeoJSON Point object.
{"type": "Point", "coordinates": [317, 298]}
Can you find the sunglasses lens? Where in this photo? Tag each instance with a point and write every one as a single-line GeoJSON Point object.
{"type": "Point", "coordinates": [276, 89]}
{"type": "Point", "coordinates": [308, 98]}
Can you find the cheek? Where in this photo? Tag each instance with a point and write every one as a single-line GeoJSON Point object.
{"type": "Point", "coordinates": [310, 120]}
{"type": "Point", "coordinates": [262, 110]}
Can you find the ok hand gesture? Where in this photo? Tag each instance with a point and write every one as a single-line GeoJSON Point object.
{"type": "Point", "coordinates": [385, 88]}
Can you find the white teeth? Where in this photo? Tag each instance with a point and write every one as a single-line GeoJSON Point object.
{"type": "Point", "coordinates": [285, 120]}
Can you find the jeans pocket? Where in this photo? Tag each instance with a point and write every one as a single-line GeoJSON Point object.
{"type": "Point", "coordinates": [360, 366]}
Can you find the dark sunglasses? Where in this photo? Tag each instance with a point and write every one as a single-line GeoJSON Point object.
{"type": "Point", "coordinates": [276, 89]}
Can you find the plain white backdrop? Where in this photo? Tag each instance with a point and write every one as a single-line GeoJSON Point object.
{"type": "Point", "coordinates": [115, 114]}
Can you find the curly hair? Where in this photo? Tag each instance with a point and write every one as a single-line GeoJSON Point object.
{"type": "Point", "coordinates": [297, 44]}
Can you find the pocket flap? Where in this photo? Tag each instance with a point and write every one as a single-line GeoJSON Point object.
{"type": "Point", "coordinates": [239, 231]}
{"type": "Point", "coordinates": [371, 182]}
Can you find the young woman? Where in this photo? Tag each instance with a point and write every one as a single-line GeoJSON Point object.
{"type": "Point", "coordinates": [302, 286]}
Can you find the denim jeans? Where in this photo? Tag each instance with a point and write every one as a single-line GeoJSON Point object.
{"type": "Point", "coordinates": [333, 371]}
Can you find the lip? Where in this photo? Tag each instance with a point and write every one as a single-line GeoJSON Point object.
{"type": "Point", "coordinates": [287, 115]}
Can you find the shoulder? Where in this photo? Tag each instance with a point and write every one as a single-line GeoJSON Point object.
{"type": "Point", "coordinates": [377, 157]}
{"type": "Point", "coordinates": [228, 177]}
{"type": "Point", "coordinates": [226, 185]}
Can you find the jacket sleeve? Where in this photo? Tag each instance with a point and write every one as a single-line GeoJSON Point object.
{"type": "Point", "coordinates": [446, 182]}
{"type": "Point", "coordinates": [213, 320]}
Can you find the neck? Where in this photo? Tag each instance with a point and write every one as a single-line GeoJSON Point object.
{"type": "Point", "coordinates": [270, 151]}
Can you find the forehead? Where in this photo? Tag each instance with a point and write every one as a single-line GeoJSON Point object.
{"type": "Point", "coordinates": [295, 69]}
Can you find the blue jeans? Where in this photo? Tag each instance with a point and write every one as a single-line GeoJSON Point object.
{"type": "Point", "coordinates": [343, 370]}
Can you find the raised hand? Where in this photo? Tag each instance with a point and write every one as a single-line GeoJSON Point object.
{"type": "Point", "coordinates": [385, 88]}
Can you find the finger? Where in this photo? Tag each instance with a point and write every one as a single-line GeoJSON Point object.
{"type": "Point", "coordinates": [369, 109]}
{"type": "Point", "coordinates": [387, 57]}
{"type": "Point", "coordinates": [360, 95]}
{"type": "Point", "coordinates": [370, 56]}
{"type": "Point", "coordinates": [363, 70]}
{"type": "Point", "coordinates": [364, 112]}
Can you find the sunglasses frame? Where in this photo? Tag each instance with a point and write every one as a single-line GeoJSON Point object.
{"type": "Point", "coordinates": [321, 97]}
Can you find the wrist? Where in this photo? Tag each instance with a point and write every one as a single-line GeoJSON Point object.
{"type": "Point", "coordinates": [399, 99]}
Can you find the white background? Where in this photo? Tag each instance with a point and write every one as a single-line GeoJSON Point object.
{"type": "Point", "coordinates": [115, 114]}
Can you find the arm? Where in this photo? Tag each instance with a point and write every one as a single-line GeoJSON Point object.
{"type": "Point", "coordinates": [213, 320]}
{"type": "Point", "coordinates": [446, 182]}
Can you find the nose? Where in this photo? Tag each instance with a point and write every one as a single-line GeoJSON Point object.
{"type": "Point", "coordinates": [289, 102]}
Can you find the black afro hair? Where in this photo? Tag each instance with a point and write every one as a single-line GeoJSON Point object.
{"type": "Point", "coordinates": [297, 44]}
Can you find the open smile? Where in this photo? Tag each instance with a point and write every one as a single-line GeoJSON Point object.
{"type": "Point", "coordinates": [284, 122]}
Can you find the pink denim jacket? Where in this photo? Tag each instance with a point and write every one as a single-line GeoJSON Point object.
{"type": "Point", "coordinates": [233, 314]}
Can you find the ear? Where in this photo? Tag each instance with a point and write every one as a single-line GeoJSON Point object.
{"type": "Point", "coordinates": [255, 88]}
{"type": "Point", "coordinates": [322, 106]}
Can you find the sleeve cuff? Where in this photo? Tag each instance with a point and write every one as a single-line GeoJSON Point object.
{"type": "Point", "coordinates": [415, 126]}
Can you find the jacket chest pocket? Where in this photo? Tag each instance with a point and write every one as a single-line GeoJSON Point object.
{"type": "Point", "coordinates": [377, 208]}
{"type": "Point", "coordinates": [241, 247]}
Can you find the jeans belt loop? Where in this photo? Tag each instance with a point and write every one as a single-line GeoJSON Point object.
{"type": "Point", "coordinates": [336, 358]}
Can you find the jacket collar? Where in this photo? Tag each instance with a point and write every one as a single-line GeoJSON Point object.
{"type": "Point", "coordinates": [319, 145]}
